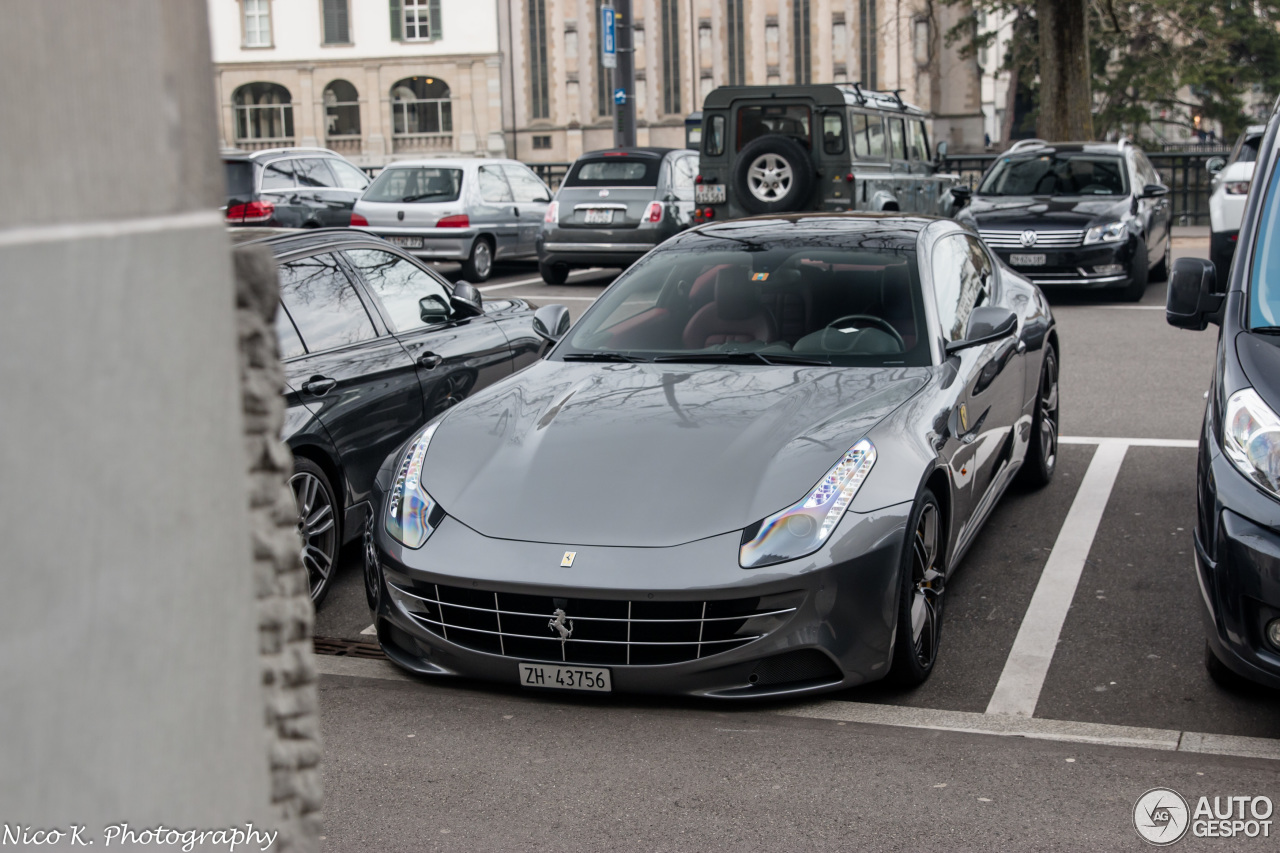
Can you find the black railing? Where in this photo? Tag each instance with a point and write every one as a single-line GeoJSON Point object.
{"type": "Point", "coordinates": [551, 173]}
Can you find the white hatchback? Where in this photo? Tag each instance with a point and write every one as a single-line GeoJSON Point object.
{"type": "Point", "coordinates": [1230, 189]}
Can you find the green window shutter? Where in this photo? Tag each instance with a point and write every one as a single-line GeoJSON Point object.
{"type": "Point", "coordinates": [437, 21]}
{"type": "Point", "coordinates": [397, 21]}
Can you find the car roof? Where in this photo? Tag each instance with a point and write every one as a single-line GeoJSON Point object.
{"type": "Point", "coordinates": [455, 162]}
{"type": "Point", "coordinates": [1035, 147]}
{"type": "Point", "coordinates": [283, 240]}
{"type": "Point", "coordinates": [824, 94]}
{"type": "Point", "coordinates": [277, 153]}
{"type": "Point", "coordinates": [834, 230]}
{"type": "Point", "coordinates": [629, 152]}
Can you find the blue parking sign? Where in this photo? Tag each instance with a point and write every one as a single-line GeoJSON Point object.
{"type": "Point", "coordinates": [608, 38]}
{"type": "Point", "coordinates": [619, 96]}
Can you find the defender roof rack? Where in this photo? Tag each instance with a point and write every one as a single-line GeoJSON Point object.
{"type": "Point", "coordinates": [1027, 143]}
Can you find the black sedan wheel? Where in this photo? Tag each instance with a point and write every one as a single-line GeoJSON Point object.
{"type": "Point", "coordinates": [317, 525]}
{"type": "Point", "coordinates": [1042, 455]}
{"type": "Point", "coordinates": [372, 569]}
{"type": "Point", "coordinates": [920, 607]}
{"type": "Point", "coordinates": [554, 273]}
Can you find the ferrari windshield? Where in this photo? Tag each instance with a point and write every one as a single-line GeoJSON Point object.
{"type": "Point", "coordinates": [713, 299]}
{"type": "Point", "coordinates": [1056, 174]}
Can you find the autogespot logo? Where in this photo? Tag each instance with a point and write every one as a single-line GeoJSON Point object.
{"type": "Point", "coordinates": [1160, 816]}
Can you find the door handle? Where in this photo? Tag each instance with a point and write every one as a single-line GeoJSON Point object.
{"type": "Point", "coordinates": [429, 360]}
{"type": "Point", "coordinates": [319, 385]}
{"type": "Point", "coordinates": [515, 211]}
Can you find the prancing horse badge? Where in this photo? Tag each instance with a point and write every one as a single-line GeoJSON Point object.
{"type": "Point", "coordinates": [567, 560]}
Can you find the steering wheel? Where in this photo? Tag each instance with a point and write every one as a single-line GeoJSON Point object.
{"type": "Point", "coordinates": [879, 322]}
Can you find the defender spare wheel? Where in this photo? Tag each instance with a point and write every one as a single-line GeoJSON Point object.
{"type": "Point", "coordinates": [773, 174]}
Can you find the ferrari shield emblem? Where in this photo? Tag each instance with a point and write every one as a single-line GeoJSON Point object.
{"type": "Point", "coordinates": [567, 560]}
{"type": "Point", "coordinates": [964, 418]}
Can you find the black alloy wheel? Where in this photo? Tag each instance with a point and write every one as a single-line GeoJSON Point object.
{"type": "Point", "coordinates": [553, 273]}
{"type": "Point", "coordinates": [1139, 276]}
{"type": "Point", "coordinates": [372, 568]}
{"type": "Point", "coordinates": [919, 628]}
{"type": "Point", "coordinates": [1042, 455]}
{"type": "Point", "coordinates": [479, 264]}
{"type": "Point", "coordinates": [317, 525]}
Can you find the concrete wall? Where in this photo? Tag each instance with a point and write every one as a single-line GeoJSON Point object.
{"type": "Point", "coordinates": [129, 646]}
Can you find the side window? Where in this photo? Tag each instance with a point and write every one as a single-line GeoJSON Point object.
{"type": "Point", "coordinates": [493, 187]}
{"type": "Point", "coordinates": [398, 284]}
{"type": "Point", "coordinates": [279, 175]}
{"type": "Point", "coordinates": [320, 299]}
{"type": "Point", "coordinates": [1148, 171]}
{"type": "Point", "coordinates": [875, 137]}
{"type": "Point", "coordinates": [833, 133]}
{"type": "Point", "coordinates": [314, 172]}
{"type": "Point", "coordinates": [858, 130]}
{"type": "Point", "coordinates": [961, 271]}
{"type": "Point", "coordinates": [290, 344]}
{"type": "Point", "coordinates": [713, 142]}
{"type": "Point", "coordinates": [525, 185]}
{"type": "Point", "coordinates": [683, 170]}
{"type": "Point", "coordinates": [917, 141]}
{"type": "Point", "coordinates": [897, 140]}
{"type": "Point", "coordinates": [349, 177]}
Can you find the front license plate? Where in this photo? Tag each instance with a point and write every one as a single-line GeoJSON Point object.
{"type": "Point", "coordinates": [556, 677]}
{"type": "Point", "coordinates": [596, 216]}
{"type": "Point", "coordinates": [1028, 260]}
{"type": "Point", "coordinates": [708, 194]}
{"type": "Point", "coordinates": [406, 242]}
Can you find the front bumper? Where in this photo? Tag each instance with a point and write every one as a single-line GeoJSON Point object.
{"type": "Point", "coordinates": [826, 621]}
{"type": "Point", "coordinates": [1078, 267]}
{"type": "Point", "coordinates": [1237, 544]}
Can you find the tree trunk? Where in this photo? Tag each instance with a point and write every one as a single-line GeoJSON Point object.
{"type": "Point", "coordinates": [1066, 102]}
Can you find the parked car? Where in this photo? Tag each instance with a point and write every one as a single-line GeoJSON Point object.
{"type": "Point", "coordinates": [774, 149]}
{"type": "Point", "coordinates": [470, 210]}
{"type": "Point", "coordinates": [614, 206]}
{"type": "Point", "coordinates": [1090, 214]}
{"type": "Point", "coordinates": [374, 344]}
{"type": "Point", "coordinates": [291, 188]}
{"type": "Point", "coordinates": [748, 470]}
{"type": "Point", "coordinates": [1237, 532]}
{"type": "Point", "coordinates": [1231, 179]}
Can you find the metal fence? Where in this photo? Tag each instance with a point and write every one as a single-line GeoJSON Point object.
{"type": "Point", "coordinates": [551, 173]}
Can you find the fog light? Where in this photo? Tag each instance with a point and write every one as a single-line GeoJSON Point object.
{"type": "Point", "coordinates": [1109, 269]}
{"type": "Point", "coordinates": [1273, 632]}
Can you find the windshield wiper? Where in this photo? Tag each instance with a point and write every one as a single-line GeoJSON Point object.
{"type": "Point", "coordinates": [421, 196]}
{"type": "Point", "coordinates": [602, 356]}
{"type": "Point", "coordinates": [772, 358]}
{"type": "Point", "coordinates": [1266, 330]}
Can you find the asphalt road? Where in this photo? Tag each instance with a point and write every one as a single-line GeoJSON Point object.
{"type": "Point", "coordinates": [413, 765]}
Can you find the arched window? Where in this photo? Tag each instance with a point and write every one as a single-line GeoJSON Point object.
{"type": "Point", "coordinates": [421, 114]}
{"type": "Point", "coordinates": [264, 112]}
{"type": "Point", "coordinates": [341, 109]}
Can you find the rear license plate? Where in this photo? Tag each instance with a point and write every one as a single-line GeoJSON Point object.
{"type": "Point", "coordinates": [595, 216]}
{"type": "Point", "coordinates": [406, 242]}
{"type": "Point", "coordinates": [557, 677]}
{"type": "Point", "coordinates": [708, 194]}
{"type": "Point", "coordinates": [1028, 260]}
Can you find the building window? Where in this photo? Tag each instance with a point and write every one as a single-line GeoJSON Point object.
{"type": "Point", "coordinates": [336, 21]}
{"type": "Point", "coordinates": [542, 142]}
{"type": "Point", "coordinates": [539, 86]}
{"type": "Point", "coordinates": [421, 106]}
{"type": "Point", "coordinates": [671, 56]}
{"type": "Point", "coordinates": [867, 42]}
{"type": "Point", "coordinates": [734, 13]}
{"type": "Point", "coordinates": [416, 20]}
{"type": "Point", "coordinates": [801, 30]}
{"type": "Point", "coordinates": [341, 109]}
{"type": "Point", "coordinates": [604, 76]}
{"type": "Point", "coordinates": [257, 23]}
{"type": "Point", "coordinates": [264, 111]}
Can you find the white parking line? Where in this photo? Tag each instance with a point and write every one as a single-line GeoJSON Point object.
{"type": "Point", "coordinates": [371, 631]}
{"type": "Point", "coordinates": [1129, 442]}
{"type": "Point", "coordinates": [1024, 672]}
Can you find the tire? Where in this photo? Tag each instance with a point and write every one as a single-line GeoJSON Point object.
{"type": "Point", "coordinates": [1161, 272]}
{"type": "Point", "coordinates": [553, 273]}
{"type": "Point", "coordinates": [372, 568]}
{"type": "Point", "coordinates": [1042, 455]}
{"type": "Point", "coordinates": [1137, 288]}
{"type": "Point", "coordinates": [1221, 674]}
{"type": "Point", "coordinates": [773, 174]}
{"type": "Point", "coordinates": [915, 648]}
{"type": "Point", "coordinates": [319, 525]}
{"type": "Point", "coordinates": [479, 264]}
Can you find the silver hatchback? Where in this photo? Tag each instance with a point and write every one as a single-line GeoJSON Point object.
{"type": "Point", "coordinates": [469, 210]}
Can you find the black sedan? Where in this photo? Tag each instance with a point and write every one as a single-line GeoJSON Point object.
{"type": "Point", "coordinates": [1237, 534]}
{"type": "Point", "coordinates": [747, 471]}
{"type": "Point", "coordinates": [373, 344]}
{"type": "Point", "coordinates": [1078, 214]}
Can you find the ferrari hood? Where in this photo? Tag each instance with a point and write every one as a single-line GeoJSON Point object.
{"type": "Point", "coordinates": [650, 454]}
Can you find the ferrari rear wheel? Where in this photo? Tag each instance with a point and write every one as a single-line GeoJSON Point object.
{"type": "Point", "coordinates": [1042, 455]}
{"type": "Point", "coordinates": [919, 628]}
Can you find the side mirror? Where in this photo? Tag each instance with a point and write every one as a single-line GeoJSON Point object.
{"type": "Point", "coordinates": [1154, 191]}
{"type": "Point", "coordinates": [1215, 165]}
{"type": "Point", "coordinates": [551, 322]}
{"type": "Point", "coordinates": [433, 310]}
{"type": "Point", "coordinates": [942, 150]}
{"type": "Point", "coordinates": [1193, 301]}
{"type": "Point", "coordinates": [986, 323]}
{"type": "Point", "coordinates": [962, 195]}
{"type": "Point", "coordinates": [467, 299]}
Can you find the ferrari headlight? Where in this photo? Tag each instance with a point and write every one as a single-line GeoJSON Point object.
{"type": "Point", "coordinates": [409, 507]}
{"type": "Point", "coordinates": [1251, 439]}
{"type": "Point", "coordinates": [802, 528]}
{"type": "Point", "coordinates": [1111, 232]}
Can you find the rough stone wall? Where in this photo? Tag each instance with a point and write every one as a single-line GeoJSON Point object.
{"type": "Point", "coordinates": [285, 611]}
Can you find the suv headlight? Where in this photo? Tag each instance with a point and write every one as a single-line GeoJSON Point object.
{"type": "Point", "coordinates": [1251, 439]}
{"type": "Point", "coordinates": [802, 528]}
{"type": "Point", "coordinates": [1111, 232]}
{"type": "Point", "coordinates": [412, 514]}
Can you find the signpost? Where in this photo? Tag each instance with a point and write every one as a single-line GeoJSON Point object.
{"type": "Point", "coordinates": [608, 38]}
{"type": "Point", "coordinates": [616, 52]}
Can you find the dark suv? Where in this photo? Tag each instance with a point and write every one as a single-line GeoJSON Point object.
{"type": "Point", "coordinates": [1088, 214]}
{"type": "Point", "coordinates": [374, 344]}
{"type": "Point", "coordinates": [291, 188]}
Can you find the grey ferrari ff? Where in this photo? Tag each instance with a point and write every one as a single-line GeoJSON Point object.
{"type": "Point", "coordinates": [748, 470]}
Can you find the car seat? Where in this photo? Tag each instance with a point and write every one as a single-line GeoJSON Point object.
{"type": "Point", "coordinates": [735, 316]}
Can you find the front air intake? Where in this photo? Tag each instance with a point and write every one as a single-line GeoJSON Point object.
{"type": "Point", "coordinates": [794, 667]}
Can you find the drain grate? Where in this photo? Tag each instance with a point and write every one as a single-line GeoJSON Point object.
{"type": "Point", "coordinates": [346, 648]}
